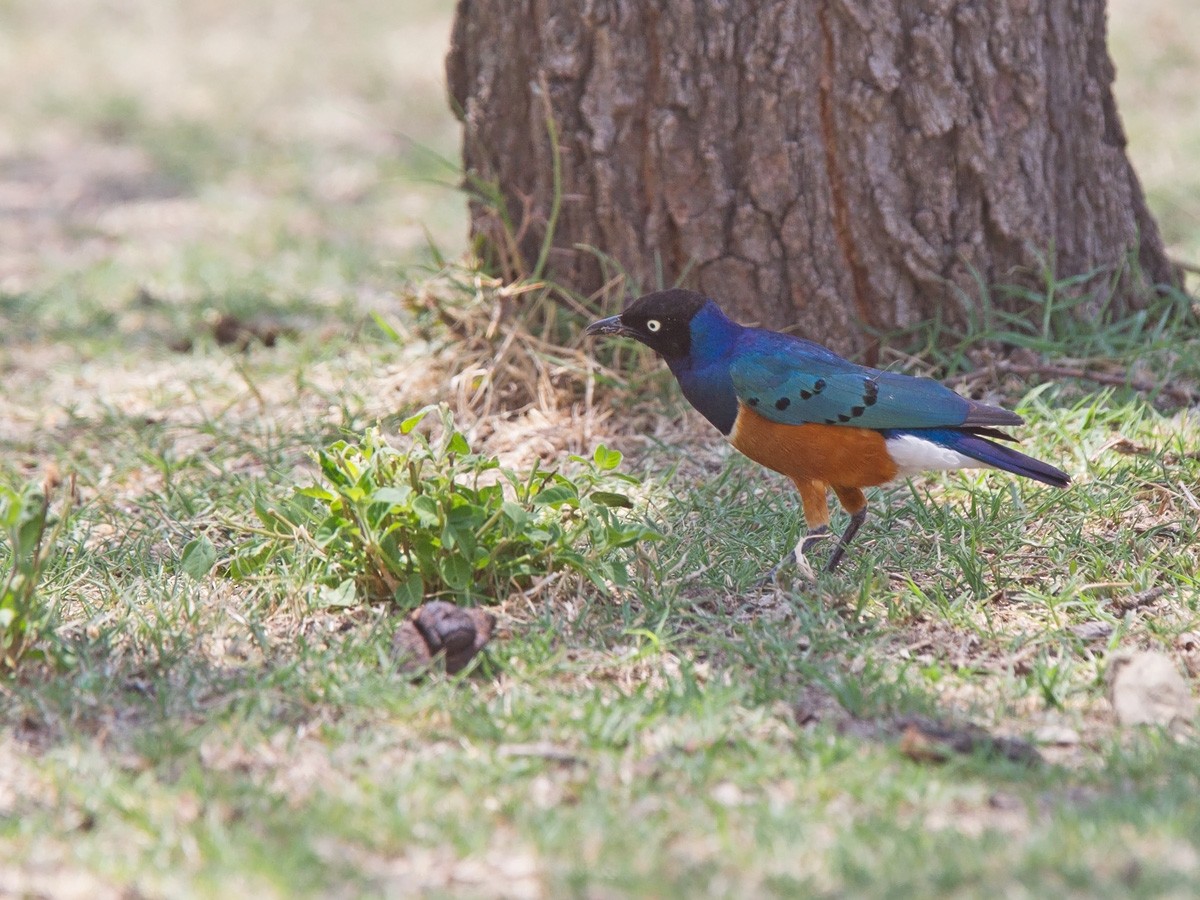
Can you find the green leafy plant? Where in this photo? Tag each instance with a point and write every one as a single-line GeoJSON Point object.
{"type": "Point", "coordinates": [24, 522]}
{"type": "Point", "coordinates": [436, 519]}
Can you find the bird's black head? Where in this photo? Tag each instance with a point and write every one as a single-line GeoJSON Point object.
{"type": "Point", "coordinates": [662, 321]}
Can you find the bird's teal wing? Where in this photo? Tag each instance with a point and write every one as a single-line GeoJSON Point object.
{"type": "Point", "coordinates": [794, 382]}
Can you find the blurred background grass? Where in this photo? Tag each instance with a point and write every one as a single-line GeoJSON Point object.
{"type": "Point", "coordinates": [1153, 43]}
{"type": "Point", "coordinates": [172, 148]}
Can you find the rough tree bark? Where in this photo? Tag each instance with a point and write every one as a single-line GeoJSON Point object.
{"type": "Point", "coordinates": [842, 165]}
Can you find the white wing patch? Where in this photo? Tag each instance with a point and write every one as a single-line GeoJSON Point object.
{"type": "Point", "coordinates": [912, 454]}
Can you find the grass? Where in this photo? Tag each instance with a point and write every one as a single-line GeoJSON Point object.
{"type": "Point", "coordinates": [189, 734]}
{"type": "Point", "coordinates": [210, 736]}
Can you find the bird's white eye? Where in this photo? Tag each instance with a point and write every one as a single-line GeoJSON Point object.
{"type": "Point", "coordinates": [653, 324]}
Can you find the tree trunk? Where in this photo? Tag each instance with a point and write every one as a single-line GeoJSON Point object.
{"type": "Point", "coordinates": [848, 166]}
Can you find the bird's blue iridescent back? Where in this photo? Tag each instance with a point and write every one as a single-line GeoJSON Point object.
{"type": "Point", "coordinates": [796, 382]}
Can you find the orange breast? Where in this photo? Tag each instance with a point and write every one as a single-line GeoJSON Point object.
{"type": "Point", "coordinates": [835, 454]}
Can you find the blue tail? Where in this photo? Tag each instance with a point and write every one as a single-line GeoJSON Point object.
{"type": "Point", "coordinates": [972, 443]}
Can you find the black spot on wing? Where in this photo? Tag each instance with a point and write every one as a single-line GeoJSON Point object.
{"type": "Point", "coordinates": [806, 395]}
{"type": "Point", "coordinates": [857, 411]}
{"type": "Point", "coordinates": [783, 403]}
{"type": "Point", "coordinates": [842, 417]}
{"type": "Point", "coordinates": [870, 392]}
{"type": "Point", "coordinates": [818, 385]}
{"type": "Point", "coordinates": [753, 401]}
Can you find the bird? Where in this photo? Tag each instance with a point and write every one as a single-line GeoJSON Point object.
{"type": "Point", "coordinates": [825, 422]}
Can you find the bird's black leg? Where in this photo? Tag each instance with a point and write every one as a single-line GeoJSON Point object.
{"type": "Point", "coordinates": [853, 501]}
{"type": "Point", "coordinates": [856, 520]}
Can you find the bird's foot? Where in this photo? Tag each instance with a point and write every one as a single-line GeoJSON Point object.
{"type": "Point", "coordinates": [805, 544]}
{"type": "Point", "coordinates": [803, 568]}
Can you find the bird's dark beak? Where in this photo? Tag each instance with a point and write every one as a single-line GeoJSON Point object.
{"type": "Point", "coordinates": [611, 325]}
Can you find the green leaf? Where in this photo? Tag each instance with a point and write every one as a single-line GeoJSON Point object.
{"type": "Point", "coordinates": [337, 469]}
{"type": "Point", "coordinates": [392, 496]}
{"type": "Point", "coordinates": [414, 420]}
{"type": "Point", "coordinates": [317, 493]}
{"type": "Point", "coordinates": [354, 494]}
{"type": "Point", "coordinates": [515, 513]}
{"type": "Point", "coordinates": [619, 574]}
{"type": "Point", "coordinates": [249, 561]}
{"type": "Point", "coordinates": [28, 534]}
{"type": "Point", "coordinates": [606, 459]}
{"type": "Point", "coordinates": [411, 591]}
{"type": "Point", "coordinates": [610, 498]}
{"type": "Point", "coordinates": [556, 495]}
{"type": "Point", "coordinates": [427, 511]}
{"type": "Point", "coordinates": [458, 444]}
{"type": "Point", "coordinates": [341, 596]}
{"type": "Point", "coordinates": [9, 507]}
{"type": "Point", "coordinates": [199, 556]}
{"type": "Point", "coordinates": [457, 572]}
{"type": "Point", "coordinates": [596, 579]}
{"type": "Point", "coordinates": [466, 515]}
{"type": "Point", "coordinates": [491, 494]}
{"type": "Point", "coordinates": [333, 529]}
